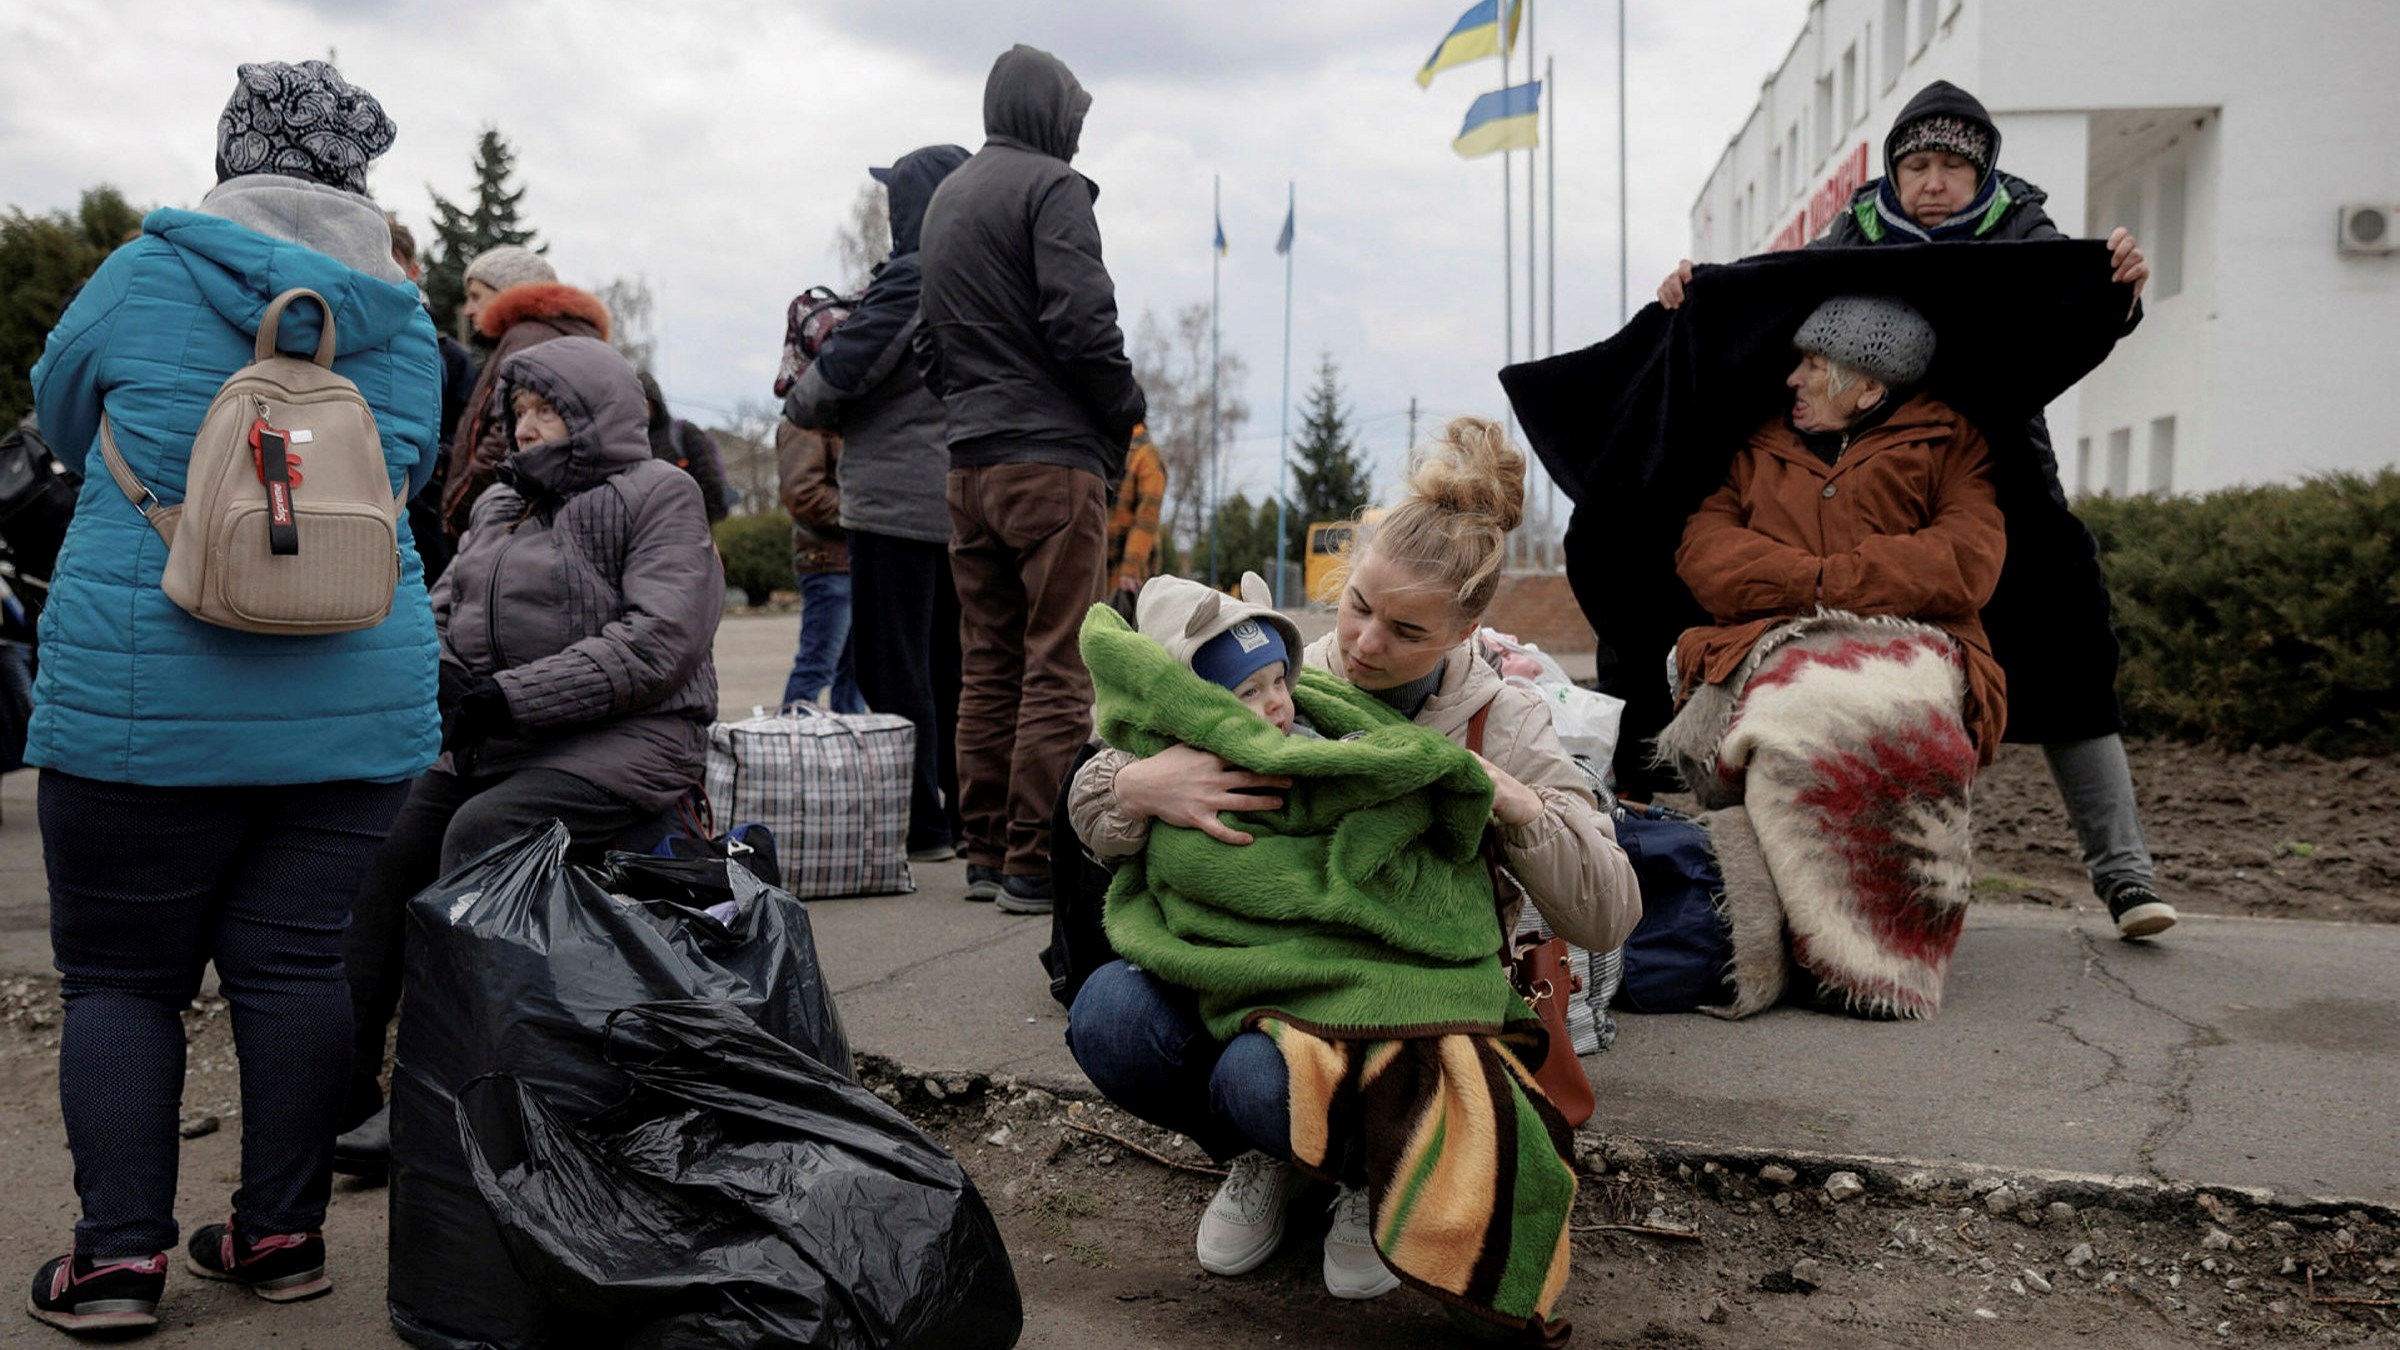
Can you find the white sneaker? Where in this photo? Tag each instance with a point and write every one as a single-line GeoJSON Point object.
{"type": "Point", "coordinates": [1244, 1222]}
{"type": "Point", "coordinates": [1352, 1269]}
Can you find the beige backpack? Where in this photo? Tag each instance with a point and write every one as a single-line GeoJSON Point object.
{"type": "Point", "coordinates": [288, 523]}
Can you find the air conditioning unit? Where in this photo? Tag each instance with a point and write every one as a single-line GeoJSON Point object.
{"type": "Point", "coordinates": [2368, 227]}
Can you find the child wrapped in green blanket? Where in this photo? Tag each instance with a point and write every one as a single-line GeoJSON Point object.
{"type": "Point", "coordinates": [1357, 933]}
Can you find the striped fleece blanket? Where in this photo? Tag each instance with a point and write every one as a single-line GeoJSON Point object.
{"type": "Point", "coordinates": [1359, 931]}
{"type": "Point", "coordinates": [1840, 767]}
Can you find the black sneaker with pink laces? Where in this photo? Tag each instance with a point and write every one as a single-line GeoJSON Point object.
{"type": "Point", "coordinates": [87, 1297]}
{"type": "Point", "coordinates": [281, 1267]}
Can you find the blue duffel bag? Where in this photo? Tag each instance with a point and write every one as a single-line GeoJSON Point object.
{"type": "Point", "coordinates": [1680, 956]}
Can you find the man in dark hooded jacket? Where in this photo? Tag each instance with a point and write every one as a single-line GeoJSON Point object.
{"type": "Point", "coordinates": [895, 458]}
{"type": "Point", "coordinates": [2049, 620]}
{"type": "Point", "coordinates": [1019, 339]}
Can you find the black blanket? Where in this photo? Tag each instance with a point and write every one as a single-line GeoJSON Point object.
{"type": "Point", "coordinates": [1640, 428]}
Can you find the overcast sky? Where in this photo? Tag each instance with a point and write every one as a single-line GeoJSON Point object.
{"type": "Point", "coordinates": [714, 146]}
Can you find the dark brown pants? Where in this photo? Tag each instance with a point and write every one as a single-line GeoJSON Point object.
{"type": "Point", "coordinates": [1027, 545]}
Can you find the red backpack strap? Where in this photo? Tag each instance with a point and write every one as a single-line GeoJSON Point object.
{"type": "Point", "coordinates": [1475, 728]}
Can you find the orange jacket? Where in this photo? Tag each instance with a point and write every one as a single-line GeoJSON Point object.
{"type": "Point", "coordinates": [1904, 523]}
{"type": "Point", "coordinates": [1133, 521]}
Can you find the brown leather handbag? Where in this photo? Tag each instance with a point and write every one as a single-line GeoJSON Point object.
{"type": "Point", "coordinates": [1537, 969]}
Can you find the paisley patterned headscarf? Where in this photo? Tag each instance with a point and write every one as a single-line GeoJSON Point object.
{"type": "Point", "coordinates": [302, 121]}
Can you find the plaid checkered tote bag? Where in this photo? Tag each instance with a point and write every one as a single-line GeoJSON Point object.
{"type": "Point", "coordinates": [832, 786]}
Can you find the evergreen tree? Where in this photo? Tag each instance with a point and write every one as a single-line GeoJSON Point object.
{"type": "Point", "coordinates": [43, 261]}
{"type": "Point", "coordinates": [1329, 479]}
{"type": "Point", "coordinates": [1245, 539]}
{"type": "Point", "coordinates": [460, 234]}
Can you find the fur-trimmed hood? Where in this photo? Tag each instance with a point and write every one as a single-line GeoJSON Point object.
{"type": "Point", "coordinates": [541, 300]}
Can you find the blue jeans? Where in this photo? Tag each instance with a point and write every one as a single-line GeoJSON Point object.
{"type": "Point", "coordinates": [824, 655]}
{"type": "Point", "coordinates": [1141, 1042]}
{"type": "Point", "coordinates": [148, 885]}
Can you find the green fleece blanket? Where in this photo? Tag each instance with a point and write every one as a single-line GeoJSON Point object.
{"type": "Point", "coordinates": [1363, 904]}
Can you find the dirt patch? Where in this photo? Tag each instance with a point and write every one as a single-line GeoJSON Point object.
{"type": "Point", "coordinates": [2275, 833]}
{"type": "Point", "coordinates": [1101, 1237]}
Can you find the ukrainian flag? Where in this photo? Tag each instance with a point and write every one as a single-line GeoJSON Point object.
{"type": "Point", "coordinates": [1476, 35]}
{"type": "Point", "coordinates": [1504, 119]}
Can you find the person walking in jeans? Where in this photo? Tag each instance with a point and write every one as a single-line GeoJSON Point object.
{"type": "Point", "coordinates": [864, 384]}
{"type": "Point", "coordinates": [1019, 339]}
{"type": "Point", "coordinates": [210, 795]}
{"type": "Point", "coordinates": [807, 464]}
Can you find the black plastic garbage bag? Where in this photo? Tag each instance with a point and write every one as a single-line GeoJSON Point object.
{"type": "Point", "coordinates": [744, 1196]}
{"type": "Point", "coordinates": [515, 963]}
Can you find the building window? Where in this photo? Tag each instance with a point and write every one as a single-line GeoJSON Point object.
{"type": "Point", "coordinates": [2120, 461]}
{"type": "Point", "coordinates": [2083, 465]}
{"type": "Point", "coordinates": [2162, 455]}
{"type": "Point", "coordinates": [1824, 111]}
{"type": "Point", "coordinates": [1775, 174]}
{"type": "Point", "coordinates": [1895, 41]}
{"type": "Point", "coordinates": [2166, 248]}
{"type": "Point", "coordinates": [1928, 14]}
{"type": "Point", "coordinates": [1751, 211]}
{"type": "Point", "coordinates": [1791, 160]}
{"type": "Point", "coordinates": [1850, 84]}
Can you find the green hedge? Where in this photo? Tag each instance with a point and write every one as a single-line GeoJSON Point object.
{"type": "Point", "coordinates": [757, 550]}
{"type": "Point", "coordinates": [2260, 615]}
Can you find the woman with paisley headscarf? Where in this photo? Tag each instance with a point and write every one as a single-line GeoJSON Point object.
{"type": "Point", "coordinates": [210, 795]}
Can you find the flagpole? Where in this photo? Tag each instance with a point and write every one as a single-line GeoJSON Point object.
{"type": "Point", "coordinates": [1508, 226]}
{"type": "Point", "coordinates": [1291, 206]}
{"type": "Point", "coordinates": [1550, 269]}
{"type": "Point", "coordinates": [1624, 300]}
{"type": "Point", "coordinates": [1533, 317]}
{"type": "Point", "coordinates": [1216, 266]}
{"type": "Point", "coordinates": [1533, 313]}
{"type": "Point", "coordinates": [1550, 151]}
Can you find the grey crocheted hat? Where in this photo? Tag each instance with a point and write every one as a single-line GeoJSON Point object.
{"type": "Point", "coordinates": [302, 121]}
{"type": "Point", "coordinates": [506, 265]}
{"type": "Point", "coordinates": [1873, 334]}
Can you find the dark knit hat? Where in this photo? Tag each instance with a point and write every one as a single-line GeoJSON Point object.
{"type": "Point", "coordinates": [302, 121]}
{"type": "Point", "coordinates": [1872, 334]}
{"type": "Point", "coordinates": [1958, 135]}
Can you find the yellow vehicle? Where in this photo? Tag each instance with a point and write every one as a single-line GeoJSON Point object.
{"type": "Point", "coordinates": [1329, 552]}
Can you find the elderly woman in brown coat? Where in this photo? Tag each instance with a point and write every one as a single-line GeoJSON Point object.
{"type": "Point", "coordinates": [1862, 498]}
{"type": "Point", "coordinates": [1844, 692]}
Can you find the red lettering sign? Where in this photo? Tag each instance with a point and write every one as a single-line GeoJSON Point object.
{"type": "Point", "coordinates": [1829, 200]}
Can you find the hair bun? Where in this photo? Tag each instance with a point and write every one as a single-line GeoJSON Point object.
{"type": "Point", "coordinates": [1469, 468]}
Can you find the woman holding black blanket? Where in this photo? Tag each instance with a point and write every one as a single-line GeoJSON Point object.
{"type": "Point", "coordinates": [2050, 617]}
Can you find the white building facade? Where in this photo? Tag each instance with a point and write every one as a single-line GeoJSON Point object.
{"type": "Point", "coordinates": [2236, 139]}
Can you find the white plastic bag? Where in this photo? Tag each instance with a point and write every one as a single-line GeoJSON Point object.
{"type": "Point", "coordinates": [1585, 719]}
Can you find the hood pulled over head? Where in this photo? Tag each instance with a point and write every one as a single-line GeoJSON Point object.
{"type": "Point", "coordinates": [1032, 99]}
{"type": "Point", "coordinates": [596, 395]}
{"type": "Point", "coordinates": [909, 183]}
{"type": "Point", "coordinates": [1957, 121]}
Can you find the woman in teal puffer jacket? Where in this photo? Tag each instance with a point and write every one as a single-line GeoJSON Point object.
{"type": "Point", "coordinates": [206, 794]}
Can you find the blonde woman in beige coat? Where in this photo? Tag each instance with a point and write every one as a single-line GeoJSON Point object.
{"type": "Point", "coordinates": [1418, 586]}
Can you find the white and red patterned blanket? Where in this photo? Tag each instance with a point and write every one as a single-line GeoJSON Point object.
{"type": "Point", "coordinates": [1840, 747]}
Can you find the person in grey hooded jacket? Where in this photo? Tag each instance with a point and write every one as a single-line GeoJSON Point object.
{"type": "Point", "coordinates": [1019, 338]}
{"type": "Point", "coordinates": [895, 457]}
{"type": "Point", "coordinates": [577, 622]}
